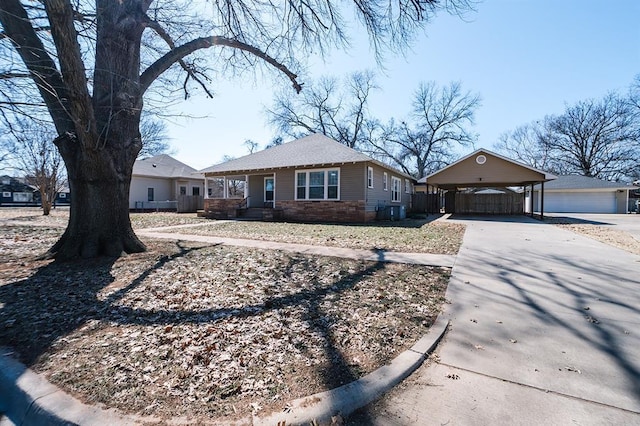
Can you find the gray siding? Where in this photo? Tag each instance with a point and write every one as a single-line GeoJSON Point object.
{"type": "Point", "coordinates": [352, 182]}
{"type": "Point", "coordinates": [353, 186]}
{"type": "Point", "coordinates": [285, 189]}
{"type": "Point", "coordinates": [256, 190]}
{"type": "Point", "coordinates": [377, 196]}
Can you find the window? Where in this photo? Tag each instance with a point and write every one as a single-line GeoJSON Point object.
{"type": "Point", "coordinates": [6, 194]}
{"type": "Point", "coordinates": [370, 177]}
{"type": "Point", "coordinates": [407, 186]}
{"type": "Point", "coordinates": [183, 190]}
{"type": "Point", "coordinates": [301, 192]}
{"type": "Point", "coordinates": [62, 195]}
{"type": "Point", "coordinates": [318, 184]}
{"type": "Point", "coordinates": [149, 194]}
{"type": "Point", "coordinates": [385, 181]}
{"type": "Point", "coordinates": [195, 190]}
{"type": "Point", "coordinates": [395, 189]}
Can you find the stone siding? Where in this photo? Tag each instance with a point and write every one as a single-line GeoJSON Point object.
{"type": "Point", "coordinates": [221, 208]}
{"type": "Point", "coordinates": [326, 211]}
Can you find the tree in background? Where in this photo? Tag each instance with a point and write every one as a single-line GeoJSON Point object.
{"type": "Point", "coordinates": [37, 159]}
{"type": "Point", "coordinates": [439, 121]}
{"type": "Point", "coordinates": [154, 137]}
{"type": "Point", "coordinates": [337, 108]}
{"type": "Point", "coordinates": [91, 67]}
{"type": "Point", "coordinates": [598, 138]}
{"type": "Point", "coordinates": [523, 144]}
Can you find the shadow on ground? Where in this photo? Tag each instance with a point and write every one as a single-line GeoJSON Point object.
{"type": "Point", "coordinates": [59, 298]}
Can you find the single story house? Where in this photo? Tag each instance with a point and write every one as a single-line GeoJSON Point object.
{"type": "Point", "coordinates": [582, 194]}
{"type": "Point", "coordinates": [493, 175]}
{"type": "Point", "coordinates": [17, 193]}
{"type": "Point", "coordinates": [311, 179]}
{"type": "Point", "coordinates": [158, 182]}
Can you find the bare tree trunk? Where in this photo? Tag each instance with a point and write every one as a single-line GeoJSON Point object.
{"type": "Point", "coordinates": [45, 201]}
{"type": "Point", "coordinates": [99, 223]}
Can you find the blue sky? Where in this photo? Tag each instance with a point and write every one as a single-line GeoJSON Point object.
{"type": "Point", "coordinates": [526, 58]}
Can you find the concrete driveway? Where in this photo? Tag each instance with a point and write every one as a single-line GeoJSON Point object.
{"type": "Point", "coordinates": [545, 330]}
{"type": "Point", "coordinates": [624, 222]}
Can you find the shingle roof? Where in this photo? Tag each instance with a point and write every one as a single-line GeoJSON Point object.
{"type": "Point", "coordinates": [582, 182]}
{"type": "Point", "coordinates": [312, 150]}
{"type": "Point", "coordinates": [163, 165]}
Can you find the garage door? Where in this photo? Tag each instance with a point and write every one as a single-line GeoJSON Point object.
{"type": "Point", "coordinates": [580, 202]}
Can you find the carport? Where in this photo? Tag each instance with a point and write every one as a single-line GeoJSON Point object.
{"type": "Point", "coordinates": [484, 169]}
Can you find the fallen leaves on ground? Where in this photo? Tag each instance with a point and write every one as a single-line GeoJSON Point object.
{"type": "Point", "coordinates": [187, 329]}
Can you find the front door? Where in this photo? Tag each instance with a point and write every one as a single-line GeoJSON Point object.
{"type": "Point", "coordinates": [269, 191]}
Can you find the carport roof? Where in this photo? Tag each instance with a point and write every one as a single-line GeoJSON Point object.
{"type": "Point", "coordinates": [487, 169]}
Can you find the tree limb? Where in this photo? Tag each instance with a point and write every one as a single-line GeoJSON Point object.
{"type": "Point", "coordinates": [162, 64]}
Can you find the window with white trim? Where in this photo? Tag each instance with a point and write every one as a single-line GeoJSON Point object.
{"type": "Point", "coordinates": [370, 177]}
{"type": "Point", "coordinates": [385, 181]}
{"type": "Point", "coordinates": [318, 184]}
{"type": "Point", "coordinates": [407, 186]}
{"type": "Point", "coordinates": [396, 188]}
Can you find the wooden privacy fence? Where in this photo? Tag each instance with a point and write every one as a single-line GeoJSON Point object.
{"type": "Point", "coordinates": [425, 203]}
{"type": "Point", "coordinates": [489, 203]}
{"type": "Point", "coordinates": [190, 203]}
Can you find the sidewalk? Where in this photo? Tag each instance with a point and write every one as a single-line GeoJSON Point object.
{"type": "Point", "coordinates": [426, 259]}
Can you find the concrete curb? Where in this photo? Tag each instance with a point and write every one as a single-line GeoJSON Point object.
{"type": "Point", "coordinates": [29, 399]}
{"type": "Point", "coordinates": [325, 407]}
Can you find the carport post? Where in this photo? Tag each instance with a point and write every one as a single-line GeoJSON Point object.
{"type": "Point", "coordinates": [531, 201]}
{"type": "Point", "coordinates": [542, 200]}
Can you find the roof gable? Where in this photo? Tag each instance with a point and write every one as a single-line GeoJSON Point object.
{"type": "Point", "coordinates": [163, 166]}
{"type": "Point", "coordinates": [313, 150]}
{"type": "Point", "coordinates": [494, 170]}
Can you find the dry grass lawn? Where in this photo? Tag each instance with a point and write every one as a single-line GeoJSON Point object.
{"type": "Point", "coordinates": [604, 234]}
{"type": "Point", "coordinates": [411, 236]}
{"type": "Point", "coordinates": [200, 331]}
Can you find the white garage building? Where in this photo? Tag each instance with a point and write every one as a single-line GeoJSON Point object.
{"type": "Point", "coordinates": [581, 194]}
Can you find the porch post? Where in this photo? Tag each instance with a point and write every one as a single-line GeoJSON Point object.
{"type": "Point", "coordinates": [274, 190]}
{"type": "Point", "coordinates": [246, 186]}
{"type": "Point", "coordinates": [225, 189]}
{"type": "Point", "coordinates": [206, 187]}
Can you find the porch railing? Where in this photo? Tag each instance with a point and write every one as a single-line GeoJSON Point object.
{"type": "Point", "coordinates": [244, 203]}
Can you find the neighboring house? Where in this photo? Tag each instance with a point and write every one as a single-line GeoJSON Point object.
{"type": "Point", "coordinates": [582, 194]}
{"type": "Point", "coordinates": [312, 179]}
{"type": "Point", "coordinates": [63, 197]}
{"type": "Point", "coordinates": [159, 182]}
{"type": "Point", "coordinates": [17, 193]}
